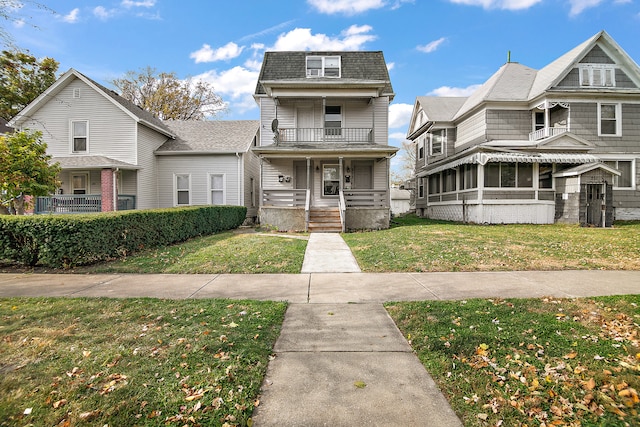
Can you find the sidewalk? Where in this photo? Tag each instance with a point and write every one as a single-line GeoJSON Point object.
{"type": "Point", "coordinates": [340, 359]}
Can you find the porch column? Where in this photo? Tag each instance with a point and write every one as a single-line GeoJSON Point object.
{"type": "Point", "coordinates": [108, 190]}
{"type": "Point", "coordinates": [341, 174]}
{"type": "Point", "coordinates": [309, 172]}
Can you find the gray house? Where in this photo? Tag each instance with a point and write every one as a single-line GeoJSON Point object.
{"type": "Point", "coordinates": [116, 156]}
{"type": "Point", "coordinates": [559, 144]}
{"type": "Point", "coordinates": [323, 149]}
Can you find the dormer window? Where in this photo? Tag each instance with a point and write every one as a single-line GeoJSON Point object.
{"type": "Point", "coordinates": [323, 66]}
{"type": "Point", "coordinates": [597, 75]}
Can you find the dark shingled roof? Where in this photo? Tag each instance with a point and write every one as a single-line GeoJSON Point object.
{"type": "Point", "coordinates": [355, 66]}
{"type": "Point", "coordinates": [213, 136]}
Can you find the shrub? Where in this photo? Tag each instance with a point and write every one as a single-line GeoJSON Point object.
{"type": "Point", "coordinates": [63, 241]}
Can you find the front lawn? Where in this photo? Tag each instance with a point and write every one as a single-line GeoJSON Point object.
{"type": "Point", "coordinates": [142, 362]}
{"type": "Point", "coordinates": [420, 245]}
{"type": "Point", "coordinates": [533, 362]}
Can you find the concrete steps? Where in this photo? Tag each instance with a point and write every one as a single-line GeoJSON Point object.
{"type": "Point", "coordinates": [325, 220]}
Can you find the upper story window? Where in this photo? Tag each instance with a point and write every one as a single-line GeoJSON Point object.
{"type": "Point", "coordinates": [438, 139]}
{"type": "Point", "coordinates": [420, 149]}
{"type": "Point", "coordinates": [79, 136]}
{"type": "Point", "coordinates": [609, 123]}
{"type": "Point", "coordinates": [333, 120]}
{"type": "Point", "coordinates": [323, 66]}
{"type": "Point", "coordinates": [597, 75]}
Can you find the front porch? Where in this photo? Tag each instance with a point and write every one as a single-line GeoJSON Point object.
{"type": "Point", "coordinates": [354, 210]}
{"type": "Point", "coordinates": [79, 203]}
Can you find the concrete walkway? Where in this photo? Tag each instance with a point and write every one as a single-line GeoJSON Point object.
{"type": "Point", "coordinates": [328, 345]}
{"type": "Point", "coordinates": [328, 253]}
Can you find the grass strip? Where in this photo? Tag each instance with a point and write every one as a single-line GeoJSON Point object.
{"type": "Point", "coordinates": [142, 362]}
{"type": "Point", "coordinates": [534, 362]}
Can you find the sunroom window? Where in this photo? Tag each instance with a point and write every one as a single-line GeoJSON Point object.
{"type": "Point", "coordinates": [508, 175]}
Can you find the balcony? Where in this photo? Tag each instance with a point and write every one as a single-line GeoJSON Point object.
{"type": "Point", "coordinates": [329, 135]}
{"type": "Point", "coordinates": [546, 133]}
{"type": "Point", "coordinates": [79, 203]}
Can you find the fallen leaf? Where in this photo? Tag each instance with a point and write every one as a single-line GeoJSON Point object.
{"type": "Point", "coordinates": [27, 411]}
{"type": "Point", "coordinates": [590, 384]}
{"type": "Point", "coordinates": [360, 384]}
{"type": "Point", "coordinates": [571, 355]}
{"type": "Point", "coordinates": [59, 403]}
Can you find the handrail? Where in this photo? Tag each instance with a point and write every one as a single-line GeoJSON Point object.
{"type": "Point", "coordinates": [343, 208]}
{"type": "Point", "coordinates": [547, 132]}
{"type": "Point", "coordinates": [307, 208]}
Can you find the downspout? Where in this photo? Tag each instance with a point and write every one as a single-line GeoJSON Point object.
{"type": "Point", "coordinates": [240, 183]}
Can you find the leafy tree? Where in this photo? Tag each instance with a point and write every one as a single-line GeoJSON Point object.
{"type": "Point", "coordinates": [22, 79]}
{"type": "Point", "coordinates": [168, 97]}
{"type": "Point", "coordinates": [10, 11]}
{"type": "Point", "coordinates": [25, 169]}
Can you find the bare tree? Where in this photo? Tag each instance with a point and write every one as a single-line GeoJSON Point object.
{"type": "Point", "coordinates": [12, 11]}
{"type": "Point", "coordinates": [407, 156]}
{"type": "Point", "coordinates": [168, 97]}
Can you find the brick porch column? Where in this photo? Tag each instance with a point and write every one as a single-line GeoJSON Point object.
{"type": "Point", "coordinates": [106, 190]}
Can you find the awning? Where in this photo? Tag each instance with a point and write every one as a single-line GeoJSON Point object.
{"type": "Point", "coordinates": [484, 158]}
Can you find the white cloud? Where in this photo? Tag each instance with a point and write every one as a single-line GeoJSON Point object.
{"type": "Point", "coordinates": [103, 13]}
{"type": "Point", "coordinates": [454, 91]}
{"type": "Point", "coordinates": [353, 38]}
{"type": "Point", "coordinates": [399, 115]}
{"type": "Point", "coordinates": [141, 3]}
{"type": "Point", "coordinates": [346, 7]}
{"type": "Point", "coordinates": [579, 6]}
{"type": "Point", "coordinates": [499, 4]}
{"type": "Point", "coordinates": [390, 66]}
{"type": "Point", "coordinates": [206, 54]}
{"type": "Point", "coordinates": [431, 46]}
{"type": "Point", "coordinates": [237, 84]}
{"type": "Point", "coordinates": [19, 23]}
{"type": "Point", "coordinates": [72, 17]}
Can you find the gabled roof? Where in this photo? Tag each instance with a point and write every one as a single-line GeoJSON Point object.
{"type": "Point", "coordinates": [357, 68]}
{"type": "Point", "coordinates": [439, 109]}
{"type": "Point", "coordinates": [198, 137]}
{"type": "Point", "coordinates": [138, 114]}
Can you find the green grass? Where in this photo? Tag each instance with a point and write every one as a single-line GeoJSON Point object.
{"type": "Point", "coordinates": [219, 253]}
{"type": "Point", "coordinates": [142, 362]}
{"type": "Point", "coordinates": [569, 362]}
{"type": "Point", "coordinates": [420, 245]}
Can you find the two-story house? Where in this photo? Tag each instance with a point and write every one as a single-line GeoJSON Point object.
{"type": "Point", "coordinates": [116, 156]}
{"type": "Point", "coordinates": [324, 153]}
{"type": "Point", "coordinates": [559, 144]}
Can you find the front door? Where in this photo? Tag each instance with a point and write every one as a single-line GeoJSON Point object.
{"type": "Point", "coordinates": [594, 204]}
{"type": "Point", "coordinates": [305, 124]}
{"type": "Point", "coordinates": [300, 175]}
{"type": "Point", "coordinates": [80, 183]}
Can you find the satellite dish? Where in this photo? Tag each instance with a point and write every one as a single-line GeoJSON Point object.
{"type": "Point", "coordinates": [274, 125]}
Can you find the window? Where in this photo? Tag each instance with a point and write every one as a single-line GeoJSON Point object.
{"type": "Point", "coordinates": [538, 120]}
{"type": "Point", "coordinates": [216, 189]}
{"type": "Point", "coordinates": [597, 75]}
{"type": "Point", "coordinates": [508, 175]}
{"type": "Point", "coordinates": [420, 149]}
{"type": "Point", "coordinates": [323, 66]}
{"type": "Point", "coordinates": [438, 139]}
{"type": "Point", "coordinates": [626, 167]}
{"type": "Point", "coordinates": [468, 176]}
{"type": "Point", "coordinates": [80, 183]}
{"type": "Point", "coordinates": [449, 180]}
{"type": "Point", "coordinates": [434, 184]}
{"type": "Point", "coordinates": [330, 180]}
{"type": "Point", "coordinates": [421, 187]}
{"type": "Point", "coordinates": [79, 136]}
{"type": "Point", "coordinates": [182, 186]}
{"type": "Point", "coordinates": [332, 120]}
{"type": "Point", "coordinates": [609, 120]}
{"type": "Point", "coordinates": [545, 177]}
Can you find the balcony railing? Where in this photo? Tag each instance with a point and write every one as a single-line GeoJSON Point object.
{"type": "Point", "coordinates": [307, 135]}
{"type": "Point", "coordinates": [546, 133]}
{"type": "Point", "coordinates": [79, 203]}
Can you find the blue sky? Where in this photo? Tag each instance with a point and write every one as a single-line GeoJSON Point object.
{"type": "Point", "coordinates": [435, 47]}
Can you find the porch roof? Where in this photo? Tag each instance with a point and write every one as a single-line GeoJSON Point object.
{"type": "Point", "coordinates": [92, 162]}
{"type": "Point", "coordinates": [484, 158]}
{"type": "Point", "coordinates": [325, 149]}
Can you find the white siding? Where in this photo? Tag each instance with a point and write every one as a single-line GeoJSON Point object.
{"type": "Point", "coordinates": [199, 167]}
{"type": "Point", "coordinates": [111, 130]}
{"type": "Point", "coordinates": [251, 170]}
{"type": "Point", "coordinates": [381, 130]}
{"type": "Point", "coordinates": [472, 129]}
{"type": "Point", "coordinates": [267, 114]}
{"type": "Point", "coordinates": [147, 191]}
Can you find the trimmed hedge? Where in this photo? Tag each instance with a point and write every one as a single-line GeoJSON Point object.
{"type": "Point", "coordinates": [63, 241]}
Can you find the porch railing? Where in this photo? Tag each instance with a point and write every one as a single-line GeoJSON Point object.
{"type": "Point", "coordinates": [307, 135]}
{"type": "Point", "coordinates": [546, 133]}
{"type": "Point", "coordinates": [366, 198]}
{"type": "Point", "coordinates": [284, 197]}
{"type": "Point", "coordinates": [307, 210]}
{"type": "Point", "coordinates": [343, 209]}
{"type": "Point", "coordinates": [79, 203]}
